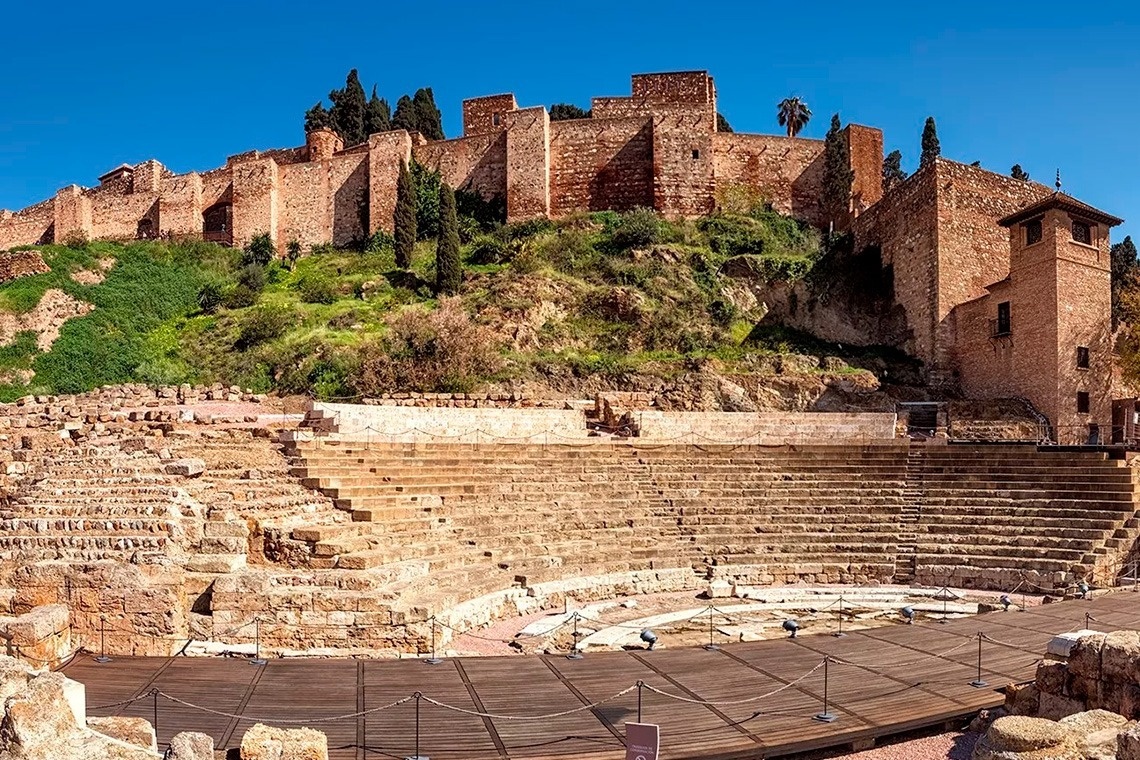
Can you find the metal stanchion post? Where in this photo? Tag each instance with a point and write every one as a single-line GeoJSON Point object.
{"type": "Point", "coordinates": [978, 683]}
{"type": "Point", "coordinates": [418, 696]}
{"type": "Point", "coordinates": [257, 643]}
{"type": "Point", "coordinates": [102, 658]}
{"type": "Point", "coordinates": [433, 660]}
{"type": "Point", "coordinates": [574, 653]}
{"type": "Point", "coordinates": [840, 634]}
{"type": "Point", "coordinates": [640, 687]}
{"type": "Point", "coordinates": [826, 716]}
{"type": "Point", "coordinates": [712, 647]}
{"type": "Point", "coordinates": [154, 694]}
{"type": "Point", "coordinates": [1088, 620]}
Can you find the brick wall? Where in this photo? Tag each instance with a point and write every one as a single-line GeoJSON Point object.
{"type": "Point", "coordinates": [788, 172]}
{"type": "Point", "coordinates": [904, 227]}
{"type": "Point", "coordinates": [19, 264]}
{"type": "Point", "coordinates": [477, 163]}
{"type": "Point", "coordinates": [528, 163]}
{"type": "Point", "coordinates": [599, 164]}
{"type": "Point", "coordinates": [973, 250]}
{"type": "Point", "coordinates": [72, 212]}
{"type": "Point", "coordinates": [385, 153]}
{"type": "Point", "coordinates": [255, 198]}
{"type": "Point", "coordinates": [480, 114]}
{"type": "Point", "coordinates": [30, 226]}
{"type": "Point", "coordinates": [865, 148]}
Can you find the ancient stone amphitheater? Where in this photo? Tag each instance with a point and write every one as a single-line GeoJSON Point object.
{"type": "Point", "coordinates": [162, 517]}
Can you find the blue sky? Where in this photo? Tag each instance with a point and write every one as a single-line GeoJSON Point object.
{"type": "Point", "coordinates": [1044, 84]}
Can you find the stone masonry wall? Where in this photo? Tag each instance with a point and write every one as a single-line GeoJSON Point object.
{"type": "Point", "coordinates": [973, 250]}
{"type": "Point", "coordinates": [19, 264]}
{"type": "Point", "coordinates": [599, 164]}
{"type": "Point", "coordinates": [477, 163]}
{"type": "Point", "coordinates": [656, 148]}
{"type": "Point", "coordinates": [31, 226]}
{"type": "Point", "coordinates": [904, 226]}
{"type": "Point", "coordinates": [788, 172]}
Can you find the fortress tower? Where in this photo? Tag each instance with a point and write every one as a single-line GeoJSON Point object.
{"type": "Point", "coordinates": [1043, 332]}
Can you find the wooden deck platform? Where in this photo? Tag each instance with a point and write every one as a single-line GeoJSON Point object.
{"type": "Point", "coordinates": [882, 681]}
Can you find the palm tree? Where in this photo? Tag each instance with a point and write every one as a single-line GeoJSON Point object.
{"type": "Point", "coordinates": [794, 114]}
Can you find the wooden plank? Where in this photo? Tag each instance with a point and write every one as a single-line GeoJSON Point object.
{"type": "Point", "coordinates": [880, 681]}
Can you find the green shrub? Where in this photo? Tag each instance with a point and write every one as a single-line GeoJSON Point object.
{"type": "Point", "coordinates": [638, 228]}
{"type": "Point", "coordinates": [292, 253]}
{"type": "Point", "coordinates": [426, 182]}
{"type": "Point", "coordinates": [489, 249]}
{"type": "Point", "coordinates": [260, 250]}
{"type": "Point", "coordinates": [380, 242]}
{"type": "Point", "coordinates": [487, 213]}
{"type": "Point", "coordinates": [254, 277]}
{"type": "Point", "coordinates": [241, 296]}
{"type": "Point", "coordinates": [210, 297]}
{"type": "Point", "coordinates": [317, 288]}
{"type": "Point", "coordinates": [263, 324]}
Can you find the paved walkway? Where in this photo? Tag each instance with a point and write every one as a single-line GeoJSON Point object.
{"type": "Point", "coordinates": [880, 682]}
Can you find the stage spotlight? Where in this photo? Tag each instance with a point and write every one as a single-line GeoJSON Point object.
{"type": "Point", "coordinates": [1083, 590]}
{"type": "Point", "coordinates": [791, 627]}
{"type": "Point", "coordinates": [1006, 602]}
{"type": "Point", "coordinates": [908, 613]}
{"type": "Point", "coordinates": [650, 638]}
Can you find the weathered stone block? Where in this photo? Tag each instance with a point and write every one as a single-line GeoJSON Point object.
{"type": "Point", "coordinates": [263, 742]}
{"type": "Point", "coordinates": [190, 745]}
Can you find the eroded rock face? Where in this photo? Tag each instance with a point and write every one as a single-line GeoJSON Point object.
{"type": "Point", "coordinates": [1018, 737]}
{"type": "Point", "coordinates": [190, 745]}
{"type": "Point", "coordinates": [44, 719]}
{"type": "Point", "coordinates": [136, 731]}
{"type": "Point", "coordinates": [263, 742]}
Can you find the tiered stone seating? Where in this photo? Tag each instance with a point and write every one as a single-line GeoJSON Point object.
{"type": "Point", "coordinates": [994, 516]}
{"type": "Point", "coordinates": [97, 502]}
{"type": "Point", "coordinates": [494, 514]}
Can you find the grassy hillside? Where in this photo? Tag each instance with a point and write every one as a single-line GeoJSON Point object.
{"type": "Point", "coordinates": [603, 294]}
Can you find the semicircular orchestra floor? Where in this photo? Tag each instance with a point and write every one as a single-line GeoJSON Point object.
{"type": "Point", "coordinates": [740, 700]}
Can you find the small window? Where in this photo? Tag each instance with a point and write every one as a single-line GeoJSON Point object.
{"type": "Point", "coordinates": [1003, 323]}
{"type": "Point", "coordinates": [495, 119]}
{"type": "Point", "coordinates": [696, 154]}
{"type": "Point", "coordinates": [1033, 232]}
{"type": "Point", "coordinates": [1082, 233]}
{"type": "Point", "coordinates": [1082, 357]}
{"type": "Point", "coordinates": [1082, 402]}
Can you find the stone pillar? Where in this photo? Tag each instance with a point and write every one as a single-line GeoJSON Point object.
{"type": "Point", "coordinates": [528, 163]}
{"type": "Point", "coordinates": [72, 213]}
{"type": "Point", "coordinates": [255, 200]}
{"type": "Point", "coordinates": [180, 205]}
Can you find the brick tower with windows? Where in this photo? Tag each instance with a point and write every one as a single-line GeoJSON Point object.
{"type": "Point", "coordinates": [1043, 333]}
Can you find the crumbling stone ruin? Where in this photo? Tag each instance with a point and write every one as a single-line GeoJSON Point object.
{"type": "Point", "coordinates": [212, 520]}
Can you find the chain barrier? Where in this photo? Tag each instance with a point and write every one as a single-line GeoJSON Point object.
{"type": "Point", "coordinates": [548, 716]}
{"type": "Point", "coordinates": [729, 703]}
{"type": "Point", "coordinates": [279, 721]}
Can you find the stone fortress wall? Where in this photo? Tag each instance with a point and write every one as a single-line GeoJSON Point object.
{"type": "Point", "coordinates": [657, 148]}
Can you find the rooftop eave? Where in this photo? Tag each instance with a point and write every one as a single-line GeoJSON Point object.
{"type": "Point", "coordinates": [1065, 203]}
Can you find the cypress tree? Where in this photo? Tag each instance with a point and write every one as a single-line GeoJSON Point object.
{"type": "Point", "coordinates": [448, 269]}
{"type": "Point", "coordinates": [317, 117]}
{"type": "Point", "coordinates": [837, 173]}
{"type": "Point", "coordinates": [930, 147]}
{"type": "Point", "coordinates": [429, 120]}
{"type": "Point", "coordinates": [405, 115]}
{"type": "Point", "coordinates": [892, 170]}
{"type": "Point", "coordinates": [405, 217]}
{"type": "Point", "coordinates": [377, 115]}
{"type": "Point", "coordinates": [348, 108]}
{"type": "Point", "coordinates": [565, 111]}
